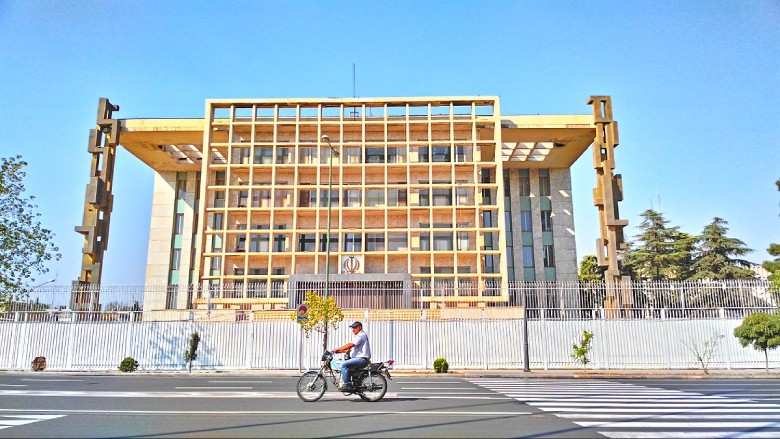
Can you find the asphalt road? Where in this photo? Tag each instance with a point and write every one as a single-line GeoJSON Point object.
{"type": "Point", "coordinates": [246, 405]}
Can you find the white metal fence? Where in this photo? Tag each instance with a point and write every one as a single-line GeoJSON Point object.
{"type": "Point", "coordinates": [466, 344]}
{"type": "Point", "coordinates": [544, 300]}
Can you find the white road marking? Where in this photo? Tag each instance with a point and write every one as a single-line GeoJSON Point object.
{"type": "Point", "coordinates": [13, 385]}
{"type": "Point", "coordinates": [627, 410]}
{"type": "Point", "coordinates": [24, 419]}
{"type": "Point", "coordinates": [47, 379]}
{"type": "Point", "coordinates": [439, 388]}
{"type": "Point", "coordinates": [214, 388]}
{"type": "Point", "coordinates": [688, 434]}
{"type": "Point", "coordinates": [237, 382]}
{"type": "Point", "coordinates": [273, 412]}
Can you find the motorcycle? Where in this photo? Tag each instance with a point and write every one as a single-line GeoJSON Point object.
{"type": "Point", "coordinates": [370, 382]}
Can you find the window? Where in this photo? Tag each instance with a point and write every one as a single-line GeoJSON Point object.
{"type": "Point", "coordinates": [525, 183]}
{"type": "Point", "coordinates": [463, 241]}
{"type": "Point", "coordinates": [424, 197]}
{"type": "Point", "coordinates": [263, 156]}
{"type": "Point", "coordinates": [547, 221]}
{"type": "Point", "coordinates": [241, 243]}
{"type": "Point", "coordinates": [334, 242]}
{"type": "Point", "coordinates": [352, 198]}
{"type": "Point", "coordinates": [549, 256]}
{"type": "Point", "coordinates": [464, 196]}
{"type": "Point", "coordinates": [334, 197]}
{"type": "Point", "coordinates": [307, 198]}
{"type": "Point", "coordinates": [219, 199]}
{"type": "Point", "coordinates": [216, 221]}
{"type": "Point", "coordinates": [544, 182]}
{"type": "Point", "coordinates": [375, 197]}
{"type": "Point", "coordinates": [261, 198]}
{"type": "Point", "coordinates": [442, 241]}
{"type": "Point", "coordinates": [375, 155]}
{"type": "Point", "coordinates": [422, 155]}
{"type": "Point", "coordinates": [463, 154]}
{"type": "Point", "coordinates": [283, 156]}
{"type": "Point", "coordinates": [396, 197]}
{"type": "Point", "coordinates": [280, 243]}
{"type": "Point", "coordinates": [442, 154]}
{"type": "Point", "coordinates": [425, 241]}
{"type": "Point", "coordinates": [307, 242]}
{"type": "Point", "coordinates": [442, 197]}
{"type": "Point", "coordinates": [178, 224]}
{"type": "Point", "coordinates": [351, 155]}
{"type": "Point", "coordinates": [241, 156]}
{"type": "Point", "coordinates": [353, 242]}
{"type": "Point", "coordinates": [396, 155]}
{"type": "Point", "coordinates": [219, 178]}
{"type": "Point", "coordinates": [258, 242]}
{"type": "Point", "coordinates": [175, 258]}
{"type": "Point", "coordinates": [243, 196]}
{"type": "Point", "coordinates": [528, 256]}
{"type": "Point", "coordinates": [308, 156]}
{"type": "Point", "coordinates": [525, 221]}
{"type": "Point", "coordinates": [396, 241]}
{"type": "Point", "coordinates": [375, 242]}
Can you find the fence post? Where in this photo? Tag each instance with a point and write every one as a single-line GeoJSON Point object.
{"type": "Point", "coordinates": [667, 331]}
{"type": "Point", "coordinates": [71, 340]}
{"type": "Point", "coordinates": [250, 340]}
{"type": "Point", "coordinates": [391, 339]}
{"type": "Point", "coordinates": [484, 342]}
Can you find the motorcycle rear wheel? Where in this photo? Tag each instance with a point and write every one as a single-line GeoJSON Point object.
{"type": "Point", "coordinates": [311, 386]}
{"type": "Point", "coordinates": [373, 388]}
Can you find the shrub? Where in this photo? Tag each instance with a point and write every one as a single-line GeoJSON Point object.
{"type": "Point", "coordinates": [440, 365]}
{"type": "Point", "coordinates": [581, 352]}
{"type": "Point", "coordinates": [128, 365]}
{"type": "Point", "coordinates": [39, 363]}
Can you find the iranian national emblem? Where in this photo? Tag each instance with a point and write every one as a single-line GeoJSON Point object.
{"type": "Point", "coordinates": [351, 265]}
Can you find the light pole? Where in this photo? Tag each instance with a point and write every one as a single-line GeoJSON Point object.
{"type": "Point", "coordinates": [31, 289]}
{"type": "Point", "coordinates": [326, 139]}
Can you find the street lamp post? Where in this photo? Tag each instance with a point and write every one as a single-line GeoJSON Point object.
{"type": "Point", "coordinates": [326, 139]}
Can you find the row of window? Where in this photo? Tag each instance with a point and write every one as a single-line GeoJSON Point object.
{"type": "Point", "coordinates": [348, 155]}
{"type": "Point", "coordinates": [263, 198]}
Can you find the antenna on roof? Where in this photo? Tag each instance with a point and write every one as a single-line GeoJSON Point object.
{"type": "Point", "coordinates": [354, 112]}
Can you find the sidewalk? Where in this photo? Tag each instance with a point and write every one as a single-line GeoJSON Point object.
{"type": "Point", "coordinates": [468, 373]}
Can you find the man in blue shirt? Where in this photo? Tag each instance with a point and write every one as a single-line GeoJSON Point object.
{"type": "Point", "coordinates": [361, 354]}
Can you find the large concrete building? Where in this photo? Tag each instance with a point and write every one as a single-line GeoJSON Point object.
{"type": "Point", "coordinates": [444, 197]}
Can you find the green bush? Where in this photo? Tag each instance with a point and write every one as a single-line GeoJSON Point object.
{"type": "Point", "coordinates": [128, 365]}
{"type": "Point", "coordinates": [440, 365]}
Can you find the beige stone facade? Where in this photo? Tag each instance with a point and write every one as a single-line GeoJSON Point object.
{"type": "Point", "coordinates": [445, 193]}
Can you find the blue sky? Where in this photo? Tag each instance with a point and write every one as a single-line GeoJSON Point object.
{"type": "Point", "coordinates": [695, 88]}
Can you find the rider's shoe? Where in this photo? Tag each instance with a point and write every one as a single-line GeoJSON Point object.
{"type": "Point", "coordinates": [346, 387]}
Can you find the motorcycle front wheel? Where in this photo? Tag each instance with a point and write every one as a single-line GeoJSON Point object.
{"type": "Point", "coordinates": [373, 388]}
{"type": "Point", "coordinates": [311, 386]}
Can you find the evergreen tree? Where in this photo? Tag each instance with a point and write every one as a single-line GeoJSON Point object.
{"type": "Point", "coordinates": [590, 271]}
{"type": "Point", "coordinates": [717, 255]}
{"type": "Point", "coordinates": [774, 265]}
{"type": "Point", "coordinates": [659, 252]}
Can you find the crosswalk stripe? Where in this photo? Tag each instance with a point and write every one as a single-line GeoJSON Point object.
{"type": "Point", "coordinates": [627, 410]}
{"type": "Point", "coordinates": [8, 421]}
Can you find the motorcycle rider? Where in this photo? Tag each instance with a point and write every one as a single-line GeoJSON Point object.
{"type": "Point", "coordinates": [361, 354]}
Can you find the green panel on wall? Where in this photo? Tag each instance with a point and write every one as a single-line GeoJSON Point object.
{"type": "Point", "coordinates": [549, 273]}
{"type": "Point", "coordinates": [545, 203]}
{"type": "Point", "coordinates": [525, 203]}
{"type": "Point", "coordinates": [528, 238]}
{"type": "Point", "coordinates": [529, 274]}
{"type": "Point", "coordinates": [174, 277]}
{"type": "Point", "coordinates": [547, 238]}
{"type": "Point", "coordinates": [177, 241]}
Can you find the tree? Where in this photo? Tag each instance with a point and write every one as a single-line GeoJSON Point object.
{"type": "Point", "coordinates": [717, 255]}
{"type": "Point", "coordinates": [774, 265]}
{"type": "Point", "coordinates": [590, 271]}
{"type": "Point", "coordinates": [25, 245]}
{"type": "Point", "coordinates": [762, 331]}
{"type": "Point", "coordinates": [191, 354]}
{"type": "Point", "coordinates": [321, 316]}
{"type": "Point", "coordinates": [659, 252]}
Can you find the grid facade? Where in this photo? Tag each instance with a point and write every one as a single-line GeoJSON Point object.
{"type": "Point", "coordinates": [415, 185]}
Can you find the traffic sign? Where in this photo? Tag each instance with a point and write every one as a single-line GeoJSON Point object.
{"type": "Point", "coordinates": [302, 312]}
